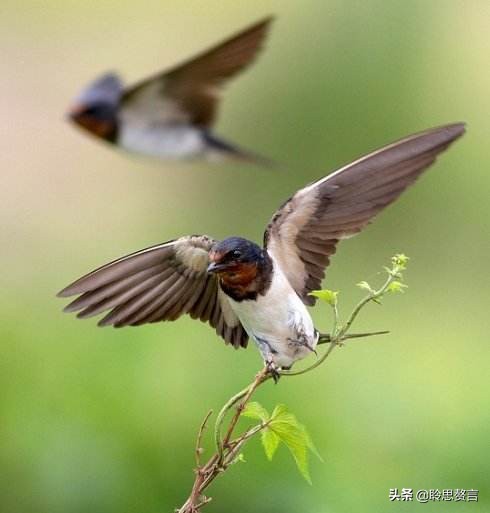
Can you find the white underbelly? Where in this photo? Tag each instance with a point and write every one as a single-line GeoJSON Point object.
{"type": "Point", "coordinates": [164, 141]}
{"type": "Point", "coordinates": [279, 322]}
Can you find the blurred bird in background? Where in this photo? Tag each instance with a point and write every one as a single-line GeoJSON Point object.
{"type": "Point", "coordinates": [171, 115]}
{"type": "Point", "coordinates": [244, 290]}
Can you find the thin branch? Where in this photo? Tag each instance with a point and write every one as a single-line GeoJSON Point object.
{"type": "Point", "coordinates": [237, 444]}
{"type": "Point", "coordinates": [199, 438]}
{"type": "Point", "coordinates": [246, 393]}
{"type": "Point", "coordinates": [205, 501]}
{"type": "Point", "coordinates": [221, 417]}
{"type": "Point", "coordinates": [227, 449]}
{"type": "Point", "coordinates": [326, 338]}
{"type": "Point", "coordinates": [373, 296]}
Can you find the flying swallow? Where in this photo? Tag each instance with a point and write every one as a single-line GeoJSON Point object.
{"type": "Point", "coordinates": [247, 291]}
{"type": "Point", "coordinates": [171, 115]}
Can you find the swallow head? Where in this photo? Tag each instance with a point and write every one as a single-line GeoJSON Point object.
{"type": "Point", "coordinates": [96, 108]}
{"type": "Point", "coordinates": [235, 260]}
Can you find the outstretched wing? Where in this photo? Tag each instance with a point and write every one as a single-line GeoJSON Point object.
{"type": "Point", "coordinates": [159, 283]}
{"type": "Point", "coordinates": [304, 232]}
{"type": "Point", "coordinates": [190, 92]}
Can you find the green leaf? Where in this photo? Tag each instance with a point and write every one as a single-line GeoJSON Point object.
{"type": "Point", "coordinates": [400, 260]}
{"type": "Point", "coordinates": [311, 445]}
{"type": "Point", "coordinates": [395, 272]}
{"type": "Point", "coordinates": [396, 286]}
{"type": "Point", "coordinates": [329, 296]}
{"type": "Point", "coordinates": [270, 442]}
{"type": "Point", "coordinates": [280, 410]}
{"type": "Point", "coordinates": [283, 427]}
{"type": "Point", "coordinates": [240, 458]}
{"type": "Point", "coordinates": [295, 436]}
{"type": "Point", "coordinates": [364, 285]}
{"type": "Point", "coordinates": [255, 410]}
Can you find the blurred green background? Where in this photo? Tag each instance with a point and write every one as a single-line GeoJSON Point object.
{"type": "Point", "coordinates": [101, 420]}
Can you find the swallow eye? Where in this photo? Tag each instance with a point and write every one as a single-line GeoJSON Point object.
{"type": "Point", "coordinates": [236, 253]}
{"type": "Point", "coordinates": [98, 111]}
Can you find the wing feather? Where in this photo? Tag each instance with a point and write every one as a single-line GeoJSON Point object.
{"type": "Point", "coordinates": [159, 283]}
{"type": "Point", "coordinates": [136, 308]}
{"type": "Point", "coordinates": [89, 298]}
{"type": "Point", "coordinates": [304, 232]}
{"type": "Point", "coordinates": [190, 92]}
{"type": "Point", "coordinates": [119, 298]}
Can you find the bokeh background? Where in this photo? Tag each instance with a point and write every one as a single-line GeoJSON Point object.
{"type": "Point", "coordinates": [101, 420]}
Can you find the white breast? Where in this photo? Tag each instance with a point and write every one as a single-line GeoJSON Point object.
{"type": "Point", "coordinates": [163, 141]}
{"type": "Point", "coordinates": [281, 319]}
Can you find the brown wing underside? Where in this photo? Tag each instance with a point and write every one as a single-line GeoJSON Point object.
{"type": "Point", "coordinates": [304, 232]}
{"type": "Point", "coordinates": [160, 283]}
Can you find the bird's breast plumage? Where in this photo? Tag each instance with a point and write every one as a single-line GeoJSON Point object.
{"type": "Point", "coordinates": [168, 141]}
{"type": "Point", "coordinates": [278, 322]}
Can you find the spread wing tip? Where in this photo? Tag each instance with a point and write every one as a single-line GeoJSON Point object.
{"type": "Point", "coordinates": [265, 20]}
{"type": "Point", "coordinates": [263, 23]}
{"type": "Point", "coordinates": [444, 133]}
{"type": "Point", "coordinates": [77, 287]}
{"type": "Point", "coordinates": [69, 291]}
{"type": "Point", "coordinates": [454, 130]}
{"type": "Point", "coordinates": [70, 308]}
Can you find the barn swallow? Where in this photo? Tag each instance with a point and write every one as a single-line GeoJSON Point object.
{"type": "Point", "coordinates": [247, 291]}
{"type": "Point", "coordinates": [170, 115]}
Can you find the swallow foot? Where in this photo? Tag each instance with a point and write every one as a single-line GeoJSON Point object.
{"type": "Point", "coordinates": [273, 370]}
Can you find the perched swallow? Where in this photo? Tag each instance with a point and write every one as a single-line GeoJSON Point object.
{"type": "Point", "coordinates": [171, 115]}
{"type": "Point", "coordinates": [244, 290]}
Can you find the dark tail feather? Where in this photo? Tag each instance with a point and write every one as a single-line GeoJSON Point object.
{"type": "Point", "coordinates": [237, 153]}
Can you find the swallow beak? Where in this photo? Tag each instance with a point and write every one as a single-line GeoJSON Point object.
{"type": "Point", "coordinates": [215, 267]}
{"type": "Point", "coordinates": [74, 113]}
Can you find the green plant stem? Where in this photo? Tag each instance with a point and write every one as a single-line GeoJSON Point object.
{"type": "Point", "coordinates": [221, 417]}
{"type": "Point", "coordinates": [338, 335]}
{"type": "Point", "coordinates": [199, 438]}
{"type": "Point", "coordinates": [227, 449]}
{"type": "Point", "coordinates": [243, 396]}
{"type": "Point", "coordinates": [237, 444]}
{"type": "Point", "coordinates": [370, 297]}
{"type": "Point", "coordinates": [326, 338]}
